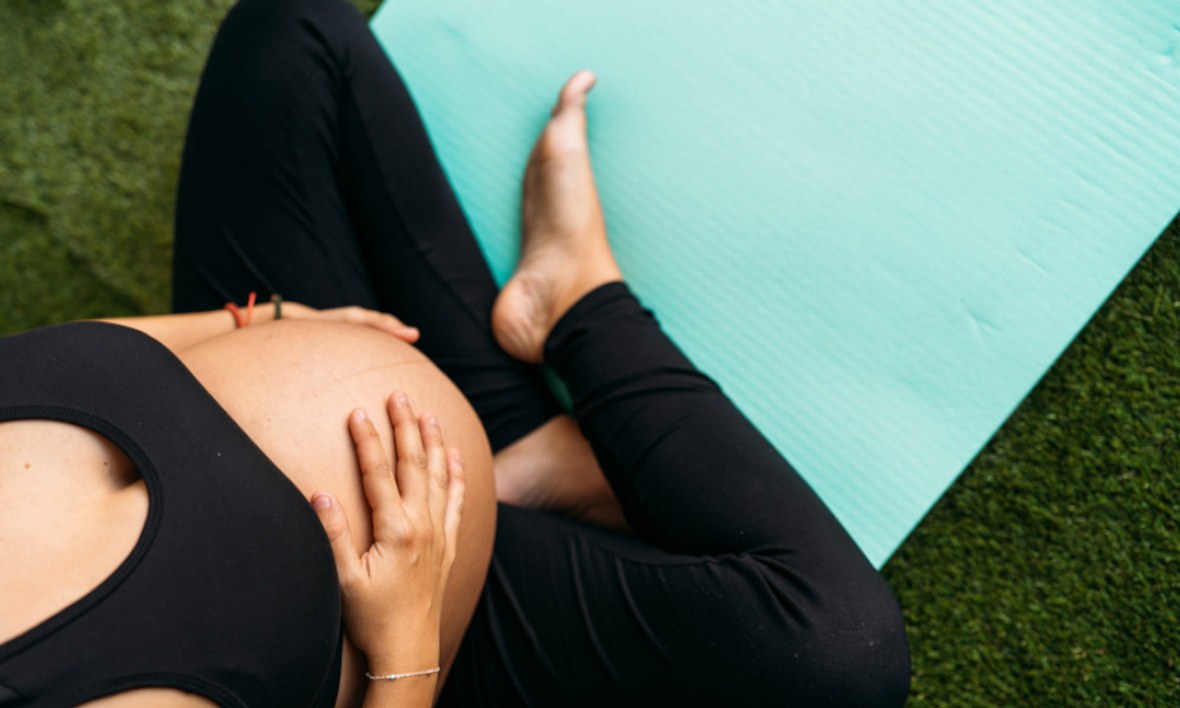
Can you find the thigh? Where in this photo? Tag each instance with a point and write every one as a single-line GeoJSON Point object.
{"type": "Point", "coordinates": [574, 615]}
{"type": "Point", "coordinates": [307, 172]}
{"type": "Point", "coordinates": [291, 386]}
{"type": "Point", "coordinates": [259, 206]}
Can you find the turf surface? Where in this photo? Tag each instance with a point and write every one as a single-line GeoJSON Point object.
{"type": "Point", "coordinates": [1048, 575]}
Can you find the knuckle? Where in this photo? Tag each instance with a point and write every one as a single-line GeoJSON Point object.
{"type": "Point", "coordinates": [434, 432]}
{"type": "Point", "coordinates": [347, 580]}
{"type": "Point", "coordinates": [411, 537]}
{"type": "Point", "coordinates": [334, 529]}
{"type": "Point", "coordinates": [403, 531]}
{"type": "Point", "coordinates": [389, 520]}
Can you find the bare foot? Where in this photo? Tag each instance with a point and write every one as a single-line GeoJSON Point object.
{"type": "Point", "coordinates": [553, 467]}
{"type": "Point", "coordinates": [564, 255]}
{"type": "Point", "coordinates": [564, 252]}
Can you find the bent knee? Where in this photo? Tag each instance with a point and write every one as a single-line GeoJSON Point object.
{"type": "Point", "coordinates": [837, 643]}
{"type": "Point", "coordinates": [867, 664]}
{"type": "Point", "coordinates": [855, 649]}
{"type": "Point", "coordinates": [269, 24]}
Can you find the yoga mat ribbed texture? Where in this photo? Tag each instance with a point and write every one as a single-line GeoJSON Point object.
{"type": "Point", "coordinates": [877, 224]}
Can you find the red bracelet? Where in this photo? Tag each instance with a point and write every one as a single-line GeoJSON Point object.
{"type": "Point", "coordinates": [239, 321]}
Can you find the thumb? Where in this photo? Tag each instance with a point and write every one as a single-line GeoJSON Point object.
{"type": "Point", "coordinates": [335, 522]}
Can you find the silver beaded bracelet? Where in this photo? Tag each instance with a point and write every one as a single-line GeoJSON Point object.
{"type": "Point", "coordinates": [394, 677]}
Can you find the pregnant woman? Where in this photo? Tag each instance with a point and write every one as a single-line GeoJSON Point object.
{"type": "Point", "coordinates": [658, 551]}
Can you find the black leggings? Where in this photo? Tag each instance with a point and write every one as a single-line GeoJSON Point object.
{"type": "Point", "coordinates": [307, 172]}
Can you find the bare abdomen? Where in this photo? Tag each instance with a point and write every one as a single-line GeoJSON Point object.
{"type": "Point", "coordinates": [291, 385]}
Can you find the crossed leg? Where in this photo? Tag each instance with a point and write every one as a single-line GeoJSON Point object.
{"type": "Point", "coordinates": [738, 586]}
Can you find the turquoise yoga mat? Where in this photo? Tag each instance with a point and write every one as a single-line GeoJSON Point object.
{"type": "Point", "coordinates": [877, 223]}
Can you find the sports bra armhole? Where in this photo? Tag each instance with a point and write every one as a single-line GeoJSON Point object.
{"type": "Point", "coordinates": [151, 524]}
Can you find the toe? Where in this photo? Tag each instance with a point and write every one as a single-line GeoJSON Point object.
{"type": "Point", "coordinates": [573, 94]}
{"type": "Point", "coordinates": [566, 130]}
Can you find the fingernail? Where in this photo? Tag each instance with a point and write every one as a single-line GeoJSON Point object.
{"type": "Point", "coordinates": [431, 420]}
{"type": "Point", "coordinates": [400, 398]}
{"type": "Point", "coordinates": [360, 416]}
{"type": "Point", "coordinates": [322, 502]}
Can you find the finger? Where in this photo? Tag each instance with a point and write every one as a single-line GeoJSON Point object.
{"type": "Point", "coordinates": [376, 473]}
{"type": "Point", "coordinates": [296, 311]}
{"type": "Point", "coordinates": [454, 510]}
{"type": "Point", "coordinates": [411, 458]}
{"type": "Point", "coordinates": [335, 522]}
{"type": "Point", "coordinates": [410, 335]}
{"type": "Point", "coordinates": [391, 325]}
{"type": "Point", "coordinates": [436, 470]}
{"type": "Point", "coordinates": [382, 321]}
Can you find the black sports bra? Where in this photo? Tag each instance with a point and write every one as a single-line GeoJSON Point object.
{"type": "Point", "coordinates": [230, 591]}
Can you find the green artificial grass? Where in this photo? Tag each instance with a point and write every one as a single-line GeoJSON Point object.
{"type": "Point", "coordinates": [1048, 575]}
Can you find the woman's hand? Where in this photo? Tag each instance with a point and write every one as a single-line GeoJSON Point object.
{"type": "Point", "coordinates": [393, 591]}
{"type": "Point", "coordinates": [353, 315]}
{"type": "Point", "coordinates": [179, 332]}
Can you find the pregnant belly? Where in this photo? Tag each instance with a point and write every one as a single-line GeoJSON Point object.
{"type": "Point", "coordinates": [291, 385]}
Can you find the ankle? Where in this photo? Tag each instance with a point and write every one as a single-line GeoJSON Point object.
{"type": "Point", "coordinates": [588, 281]}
